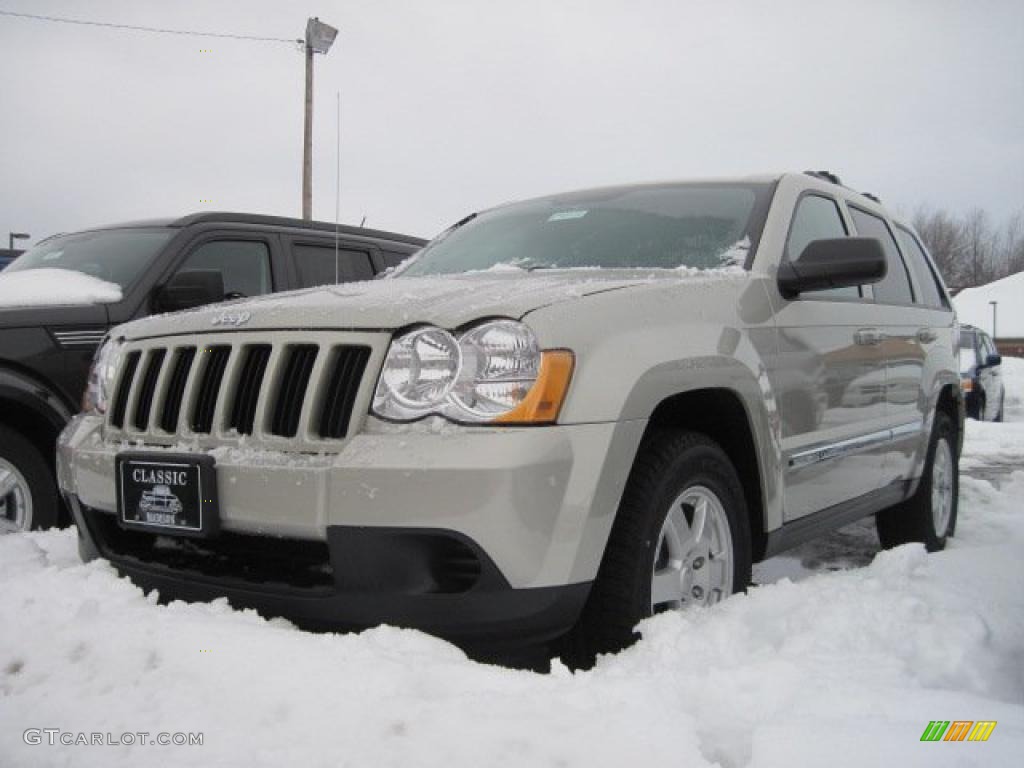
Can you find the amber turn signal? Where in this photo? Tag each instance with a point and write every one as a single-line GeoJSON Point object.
{"type": "Point", "coordinates": [544, 401]}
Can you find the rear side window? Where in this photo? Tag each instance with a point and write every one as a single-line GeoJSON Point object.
{"type": "Point", "coordinates": [317, 265]}
{"type": "Point", "coordinates": [244, 265]}
{"type": "Point", "coordinates": [817, 218]}
{"type": "Point", "coordinates": [894, 288]}
{"type": "Point", "coordinates": [931, 295]}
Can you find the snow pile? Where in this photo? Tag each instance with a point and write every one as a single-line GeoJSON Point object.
{"type": "Point", "coordinates": [841, 668]}
{"type": "Point", "coordinates": [54, 287]}
{"type": "Point", "coordinates": [1013, 381]}
{"type": "Point", "coordinates": [972, 306]}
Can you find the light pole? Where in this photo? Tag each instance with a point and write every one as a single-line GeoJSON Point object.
{"type": "Point", "coordinates": [12, 236]}
{"type": "Point", "coordinates": [994, 305]}
{"type": "Point", "coordinates": [319, 38]}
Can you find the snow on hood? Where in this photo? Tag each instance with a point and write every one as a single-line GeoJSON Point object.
{"type": "Point", "coordinates": [54, 287]}
{"type": "Point", "coordinates": [449, 301]}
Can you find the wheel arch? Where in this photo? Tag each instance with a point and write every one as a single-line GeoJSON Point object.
{"type": "Point", "coordinates": [721, 414]}
{"type": "Point", "coordinates": [33, 409]}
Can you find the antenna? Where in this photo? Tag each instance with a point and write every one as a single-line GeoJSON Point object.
{"type": "Point", "coordinates": [337, 191]}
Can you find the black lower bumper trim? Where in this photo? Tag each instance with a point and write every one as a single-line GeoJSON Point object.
{"type": "Point", "coordinates": [489, 614]}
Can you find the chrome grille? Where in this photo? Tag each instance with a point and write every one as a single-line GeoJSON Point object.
{"type": "Point", "coordinates": [287, 390]}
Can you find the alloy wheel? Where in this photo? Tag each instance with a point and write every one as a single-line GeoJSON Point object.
{"type": "Point", "coordinates": [15, 499]}
{"type": "Point", "coordinates": [693, 561]}
{"type": "Point", "coordinates": [942, 487]}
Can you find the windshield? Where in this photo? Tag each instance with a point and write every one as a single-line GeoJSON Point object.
{"type": "Point", "coordinates": [699, 226]}
{"type": "Point", "coordinates": [968, 357]}
{"type": "Point", "coordinates": [114, 255]}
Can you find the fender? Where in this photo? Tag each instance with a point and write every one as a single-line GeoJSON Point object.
{"type": "Point", "coordinates": [39, 398]}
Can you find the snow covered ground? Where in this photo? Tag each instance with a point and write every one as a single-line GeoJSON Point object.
{"type": "Point", "coordinates": [840, 657]}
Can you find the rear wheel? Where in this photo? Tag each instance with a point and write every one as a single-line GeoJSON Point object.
{"type": "Point", "coordinates": [28, 495]}
{"type": "Point", "coordinates": [1002, 404]}
{"type": "Point", "coordinates": [681, 539]}
{"type": "Point", "coordinates": [929, 516]}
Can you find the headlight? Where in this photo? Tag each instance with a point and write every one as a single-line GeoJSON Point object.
{"type": "Point", "coordinates": [99, 387]}
{"type": "Point", "coordinates": [494, 372]}
{"type": "Point", "coordinates": [420, 370]}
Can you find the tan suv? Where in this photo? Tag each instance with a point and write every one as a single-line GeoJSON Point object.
{"type": "Point", "coordinates": [559, 417]}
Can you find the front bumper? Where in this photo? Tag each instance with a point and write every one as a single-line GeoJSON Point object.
{"type": "Point", "coordinates": [470, 534]}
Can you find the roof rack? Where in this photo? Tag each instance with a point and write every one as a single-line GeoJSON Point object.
{"type": "Point", "coordinates": [870, 196]}
{"type": "Point", "coordinates": [825, 176]}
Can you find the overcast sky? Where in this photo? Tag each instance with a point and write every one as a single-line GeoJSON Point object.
{"type": "Point", "coordinates": [450, 106]}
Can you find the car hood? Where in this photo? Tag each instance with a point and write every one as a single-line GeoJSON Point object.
{"type": "Point", "coordinates": [449, 302]}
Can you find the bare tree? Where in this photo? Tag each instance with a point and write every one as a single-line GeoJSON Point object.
{"type": "Point", "coordinates": [969, 250]}
{"type": "Point", "coordinates": [943, 235]}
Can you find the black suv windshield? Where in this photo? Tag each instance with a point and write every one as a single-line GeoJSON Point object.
{"type": "Point", "coordinates": [700, 226]}
{"type": "Point", "coordinates": [115, 255]}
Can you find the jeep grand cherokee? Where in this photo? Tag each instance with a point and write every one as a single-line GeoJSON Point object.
{"type": "Point", "coordinates": [562, 416]}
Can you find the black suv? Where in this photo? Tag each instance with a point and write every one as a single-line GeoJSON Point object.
{"type": "Point", "coordinates": [160, 266]}
{"type": "Point", "coordinates": [981, 375]}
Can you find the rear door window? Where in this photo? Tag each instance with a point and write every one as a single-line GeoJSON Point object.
{"type": "Point", "coordinates": [927, 280]}
{"type": "Point", "coordinates": [894, 288]}
{"type": "Point", "coordinates": [321, 265]}
{"type": "Point", "coordinates": [817, 218]}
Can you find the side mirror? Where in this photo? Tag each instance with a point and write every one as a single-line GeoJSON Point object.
{"type": "Point", "coordinates": [190, 288]}
{"type": "Point", "coordinates": [836, 263]}
{"type": "Point", "coordinates": [993, 360]}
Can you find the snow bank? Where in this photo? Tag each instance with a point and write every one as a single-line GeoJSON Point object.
{"type": "Point", "coordinates": [972, 306]}
{"type": "Point", "coordinates": [50, 287]}
{"type": "Point", "coordinates": [841, 668]}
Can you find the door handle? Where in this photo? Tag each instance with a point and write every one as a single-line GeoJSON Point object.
{"type": "Point", "coordinates": [868, 337]}
{"type": "Point", "coordinates": [926, 335]}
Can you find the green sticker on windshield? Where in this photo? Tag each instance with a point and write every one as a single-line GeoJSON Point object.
{"type": "Point", "coordinates": [566, 215]}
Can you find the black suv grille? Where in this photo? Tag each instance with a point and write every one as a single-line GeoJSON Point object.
{"type": "Point", "coordinates": [342, 387]}
{"type": "Point", "coordinates": [183, 360]}
{"type": "Point", "coordinates": [292, 389]}
{"type": "Point", "coordinates": [209, 388]}
{"type": "Point", "coordinates": [124, 388]}
{"type": "Point", "coordinates": [248, 391]}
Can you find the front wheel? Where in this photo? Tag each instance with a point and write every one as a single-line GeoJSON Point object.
{"type": "Point", "coordinates": [929, 516]}
{"type": "Point", "coordinates": [681, 539]}
{"type": "Point", "coordinates": [28, 494]}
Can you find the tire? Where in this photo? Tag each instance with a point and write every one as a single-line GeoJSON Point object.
{"type": "Point", "coordinates": [999, 413]}
{"type": "Point", "coordinates": [675, 473]}
{"type": "Point", "coordinates": [917, 518]}
{"type": "Point", "coordinates": [30, 501]}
